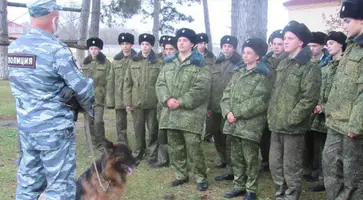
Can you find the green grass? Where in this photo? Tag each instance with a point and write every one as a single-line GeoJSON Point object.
{"type": "Point", "coordinates": [146, 184]}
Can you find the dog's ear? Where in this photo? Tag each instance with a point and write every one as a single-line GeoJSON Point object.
{"type": "Point", "coordinates": [109, 147]}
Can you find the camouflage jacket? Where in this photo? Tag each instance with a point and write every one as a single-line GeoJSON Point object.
{"type": "Point", "coordinates": [189, 83]}
{"type": "Point", "coordinates": [222, 73]}
{"type": "Point", "coordinates": [115, 94]}
{"type": "Point", "coordinates": [345, 103]}
{"type": "Point", "coordinates": [140, 79]}
{"type": "Point", "coordinates": [39, 67]}
{"type": "Point", "coordinates": [98, 70]}
{"type": "Point", "coordinates": [247, 96]}
{"type": "Point", "coordinates": [325, 59]}
{"type": "Point", "coordinates": [273, 60]}
{"type": "Point", "coordinates": [328, 74]}
{"type": "Point", "coordinates": [209, 58]}
{"type": "Point", "coordinates": [295, 95]}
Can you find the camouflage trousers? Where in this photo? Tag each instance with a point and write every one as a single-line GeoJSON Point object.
{"type": "Point", "coordinates": [221, 141]}
{"type": "Point", "coordinates": [163, 153]}
{"type": "Point", "coordinates": [48, 166]}
{"type": "Point", "coordinates": [96, 126]}
{"type": "Point", "coordinates": [142, 117]}
{"type": "Point", "coordinates": [184, 148]}
{"type": "Point", "coordinates": [342, 167]}
{"type": "Point", "coordinates": [121, 125]}
{"type": "Point", "coordinates": [286, 165]}
{"type": "Point", "coordinates": [245, 163]}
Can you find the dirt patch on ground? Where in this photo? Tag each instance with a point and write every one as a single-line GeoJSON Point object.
{"type": "Point", "coordinates": [8, 123]}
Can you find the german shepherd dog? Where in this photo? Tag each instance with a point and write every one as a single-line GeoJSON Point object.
{"type": "Point", "coordinates": [113, 166]}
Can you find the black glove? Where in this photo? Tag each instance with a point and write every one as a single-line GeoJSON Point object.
{"type": "Point", "coordinates": [68, 96]}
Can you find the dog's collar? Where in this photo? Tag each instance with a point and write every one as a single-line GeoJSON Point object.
{"type": "Point", "coordinates": [109, 181]}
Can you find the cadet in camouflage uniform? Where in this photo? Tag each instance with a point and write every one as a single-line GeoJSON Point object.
{"type": "Point", "coordinates": [40, 66]}
{"type": "Point", "coordinates": [170, 47]}
{"type": "Point", "coordinates": [161, 55]}
{"type": "Point", "coordinates": [277, 53]}
{"type": "Point", "coordinates": [343, 150]}
{"type": "Point", "coordinates": [222, 73]}
{"type": "Point", "coordinates": [97, 67]}
{"type": "Point", "coordinates": [245, 102]}
{"type": "Point", "coordinates": [276, 42]}
{"type": "Point", "coordinates": [319, 55]}
{"type": "Point", "coordinates": [209, 59]}
{"type": "Point", "coordinates": [182, 88]}
{"type": "Point", "coordinates": [336, 45]}
{"type": "Point", "coordinates": [140, 97]}
{"type": "Point", "coordinates": [296, 93]}
{"type": "Point", "coordinates": [114, 98]}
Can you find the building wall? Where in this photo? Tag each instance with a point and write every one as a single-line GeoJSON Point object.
{"type": "Point", "coordinates": [311, 15]}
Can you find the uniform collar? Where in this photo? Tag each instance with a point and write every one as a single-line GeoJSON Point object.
{"type": "Point", "coordinates": [359, 40]}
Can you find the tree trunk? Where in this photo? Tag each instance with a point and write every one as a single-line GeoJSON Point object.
{"type": "Point", "coordinates": [4, 40]}
{"type": "Point", "coordinates": [82, 31]}
{"type": "Point", "coordinates": [252, 20]}
{"type": "Point", "coordinates": [156, 24]}
{"type": "Point", "coordinates": [207, 24]}
{"type": "Point", "coordinates": [234, 17]}
{"type": "Point", "coordinates": [95, 19]}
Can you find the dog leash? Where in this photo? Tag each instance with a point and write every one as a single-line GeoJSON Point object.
{"type": "Point", "coordinates": [90, 146]}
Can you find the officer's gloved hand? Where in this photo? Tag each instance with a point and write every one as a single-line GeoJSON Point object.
{"type": "Point", "coordinates": [68, 96]}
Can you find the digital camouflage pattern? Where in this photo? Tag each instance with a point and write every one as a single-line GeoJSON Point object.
{"type": "Point", "coordinates": [295, 95]}
{"type": "Point", "coordinates": [328, 74]}
{"type": "Point", "coordinates": [39, 67]}
{"type": "Point", "coordinates": [345, 103]}
{"type": "Point", "coordinates": [222, 73]}
{"type": "Point", "coordinates": [209, 58]}
{"type": "Point", "coordinates": [140, 79]}
{"type": "Point", "coordinates": [247, 96]}
{"type": "Point", "coordinates": [189, 83]}
{"type": "Point", "coordinates": [273, 59]}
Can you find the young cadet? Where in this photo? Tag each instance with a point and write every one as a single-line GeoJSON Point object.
{"type": "Point", "coordinates": [319, 53]}
{"type": "Point", "coordinates": [222, 72]}
{"type": "Point", "coordinates": [343, 150]}
{"type": "Point", "coordinates": [182, 89]}
{"type": "Point", "coordinates": [335, 42]}
{"type": "Point", "coordinates": [140, 97]}
{"type": "Point", "coordinates": [97, 67]}
{"type": "Point", "coordinates": [296, 93]}
{"type": "Point", "coordinates": [170, 47]}
{"type": "Point", "coordinates": [277, 53]}
{"type": "Point", "coordinates": [115, 92]}
{"type": "Point", "coordinates": [244, 103]}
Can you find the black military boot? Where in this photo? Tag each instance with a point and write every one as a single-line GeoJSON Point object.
{"type": "Point", "coordinates": [250, 196]}
{"type": "Point", "coordinates": [225, 177]}
{"type": "Point", "coordinates": [203, 186]}
{"type": "Point", "coordinates": [177, 182]}
{"type": "Point", "coordinates": [235, 193]}
{"type": "Point", "coordinates": [317, 188]}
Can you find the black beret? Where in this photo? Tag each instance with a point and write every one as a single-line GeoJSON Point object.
{"type": "Point", "coordinates": [300, 30]}
{"type": "Point", "coordinates": [258, 45]}
{"type": "Point", "coordinates": [276, 34]}
{"type": "Point", "coordinates": [338, 37]}
{"type": "Point", "coordinates": [202, 37]}
{"type": "Point", "coordinates": [95, 41]}
{"type": "Point", "coordinates": [145, 37]}
{"type": "Point", "coordinates": [318, 38]}
{"type": "Point", "coordinates": [163, 38]}
{"type": "Point", "coordinates": [170, 40]}
{"type": "Point", "coordinates": [188, 33]}
{"type": "Point", "coordinates": [227, 39]}
{"type": "Point", "coordinates": [126, 37]}
{"type": "Point", "coordinates": [352, 9]}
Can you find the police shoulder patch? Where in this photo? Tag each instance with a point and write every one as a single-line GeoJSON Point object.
{"type": "Point", "coordinates": [22, 61]}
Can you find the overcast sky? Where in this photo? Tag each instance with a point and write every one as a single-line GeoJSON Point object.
{"type": "Point", "coordinates": [219, 11]}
